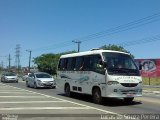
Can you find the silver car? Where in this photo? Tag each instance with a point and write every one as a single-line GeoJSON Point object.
{"type": "Point", "coordinates": [9, 77]}
{"type": "Point", "coordinates": [40, 80]}
{"type": "Point", "coordinates": [24, 77]}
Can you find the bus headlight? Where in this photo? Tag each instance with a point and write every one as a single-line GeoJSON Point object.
{"type": "Point", "coordinates": [112, 83]}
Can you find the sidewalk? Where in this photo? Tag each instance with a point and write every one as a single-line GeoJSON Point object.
{"type": "Point", "coordinates": [151, 86]}
{"type": "Point", "coordinates": [151, 89]}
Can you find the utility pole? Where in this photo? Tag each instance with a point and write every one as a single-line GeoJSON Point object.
{"type": "Point", "coordinates": [78, 42]}
{"type": "Point", "coordinates": [29, 59]}
{"type": "Point", "coordinates": [17, 60]}
{"type": "Point", "coordinates": [9, 60]}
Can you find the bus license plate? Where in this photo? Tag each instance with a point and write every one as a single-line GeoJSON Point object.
{"type": "Point", "coordinates": [130, 95]}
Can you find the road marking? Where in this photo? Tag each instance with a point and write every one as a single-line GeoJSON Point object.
{"type": "Point", "coordinates": [31, 102]}
{"type": "Point", "coordinates": [17, 92]}
{"type": "Point", "coordinates": [12, 91]}
{"type": "Point", "coordinates": [22, 96]}
{"type": "Point", "coordinates": [47, 108]}
{"type": "Point", "coordinates": [104, 111]}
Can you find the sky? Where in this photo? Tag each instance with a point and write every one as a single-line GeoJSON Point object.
{"type": "Point", "coordinates": [50, 26]}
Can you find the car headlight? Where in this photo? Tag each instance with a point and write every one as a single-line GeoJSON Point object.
{"type": "Point", "coordinates": [39, 81]}
{"type": "Point", "coordinates": [112, 83]}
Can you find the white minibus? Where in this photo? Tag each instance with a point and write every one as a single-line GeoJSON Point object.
{"type": "Point", "coordinates": [100, 73]}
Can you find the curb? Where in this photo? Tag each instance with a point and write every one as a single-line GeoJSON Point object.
{"type": "Point", "coordinates": [155, 92]}
{"type": "Point", "coordinates": [151, 86]}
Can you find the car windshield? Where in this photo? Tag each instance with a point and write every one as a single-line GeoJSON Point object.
{"type": "Point", "coordinates": [120, 64]}
{"type": "Point", "coordinates": [10, 74]}
{"type": "Point", "coordinates": [42, 75]}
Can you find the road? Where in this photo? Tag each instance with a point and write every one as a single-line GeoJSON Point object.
{"type": "Point", "coordinates": [19, 102]}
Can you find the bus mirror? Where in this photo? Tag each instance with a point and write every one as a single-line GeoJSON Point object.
{"type": "Point", "coordinates": [105, 64]}
{"type": "Point", "coordinates": [140, 67]}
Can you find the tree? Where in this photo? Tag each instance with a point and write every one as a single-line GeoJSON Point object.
{"type": "Point", "coordinates": [49, 62]}
{"type": "Point", "coordinates": [116, 48]}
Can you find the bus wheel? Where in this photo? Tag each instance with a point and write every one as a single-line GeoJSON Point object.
{"type": "Point", "coordinates": [97, 98]}
{"type": "Point", "coordinates": [128, 100]}
{"type": "Point", "coordinates": [67, 90]}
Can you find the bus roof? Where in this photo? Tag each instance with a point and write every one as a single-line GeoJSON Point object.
{"type": "Point", "coordinates": [90, 53]}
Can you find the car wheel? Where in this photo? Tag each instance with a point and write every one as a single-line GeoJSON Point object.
{"type": "Point", "coordinates": [35, 85]}
{"type": "Point", "coordinates": [97, 98]}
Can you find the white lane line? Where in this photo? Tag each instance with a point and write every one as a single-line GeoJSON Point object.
{"type": "Point", "coordinates": [98, 109]}
{"type": "Point", "coordinates": [47, 108]}
{"type": "Point", "coordinates": [17, 92]}
{"type": "Point", "coordinates": [10, 102]}
{"type": "Point", "coordinates": [12, 90]}
{"type": "Point", "coordinates": [21, 96]}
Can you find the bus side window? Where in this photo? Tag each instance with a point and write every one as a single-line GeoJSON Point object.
{"type": "Point", "coordinates": [63, 64]}
{"type": "Point", "coordinates": [79, 63]}
{"type": "Point", "coordinates": [71, 64]}
{"type": "Point", "coordinates": [87, 63]}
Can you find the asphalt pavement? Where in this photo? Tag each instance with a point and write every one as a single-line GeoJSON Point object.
{"type": "Point", "coordinates": [16, 100]}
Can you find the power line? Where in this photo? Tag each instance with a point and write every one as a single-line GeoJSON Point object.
{"type": "Point", "coordinates": [125, 27]}
{"type": "Point", "coordinates": [111, 31]}
{"type": "Point", "coordinates": [141, 41]}
{"type": "Point", "coordinates": [118, 29]}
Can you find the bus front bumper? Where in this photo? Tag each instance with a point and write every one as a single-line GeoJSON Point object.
{"type": "Point", "coordinates": [120, 91]}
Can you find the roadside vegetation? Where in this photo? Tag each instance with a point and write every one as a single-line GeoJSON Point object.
{"type": "Point", "coordinates": [151, 81]}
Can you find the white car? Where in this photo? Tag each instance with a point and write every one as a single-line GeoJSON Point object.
{"type": "Point", "coordinates": [9, 77]}
{"type": "Point", "coordinates": [40, 80]}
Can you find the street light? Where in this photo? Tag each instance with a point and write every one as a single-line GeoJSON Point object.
{"type": "Point", "coordinates": [29, 58]}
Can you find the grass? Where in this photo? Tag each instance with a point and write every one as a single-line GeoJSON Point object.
{"type": "Point", "coordinates": [151, 81]}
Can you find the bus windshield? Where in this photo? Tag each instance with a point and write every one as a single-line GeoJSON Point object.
{"type": "Point", "coordinates": [120, 64]}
